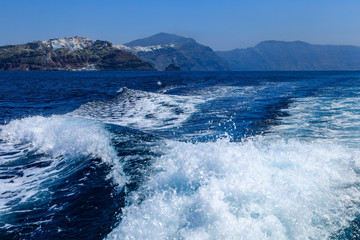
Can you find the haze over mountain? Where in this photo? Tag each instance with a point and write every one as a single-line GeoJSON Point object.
{"type": "Point", "coordinates": [292, 56]}
{"type": "Point", "coordinates": [164, 49]}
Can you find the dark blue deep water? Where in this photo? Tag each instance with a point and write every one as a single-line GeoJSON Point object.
{"type": "Point", "coordinates": [179, 155]}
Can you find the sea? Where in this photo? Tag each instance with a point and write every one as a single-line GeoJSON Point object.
{"type": "Point", "coordinates": [180, 155]}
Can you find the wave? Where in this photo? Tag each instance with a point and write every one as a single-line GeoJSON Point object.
{"type": "Point", "coordinates": [324, 119]}
{"type": "Point", "coordinates": [256, 189]}
{"type": "Point", "coordinates": [141, 110]}
{"type": "Point", "coordinates": [52, 167]}
{"type": "Point", "coordinates": [97, 165]}
{"type": "Point", "coordinates": [58, 137]}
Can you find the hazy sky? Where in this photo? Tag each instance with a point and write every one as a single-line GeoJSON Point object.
{"type": "Point", "coordinates": [220, 24]}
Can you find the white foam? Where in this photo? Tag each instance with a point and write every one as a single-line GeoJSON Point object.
{"type": "Point", "coordinates": [59, 135]}
{"type": "Point", "coordinates": [58, 139]}
{"type": "Point", "coordinates": [141, 110]}
{"type": "Point", "coordinates": [325, 119]}
{"type": "Point", "coordinates": [258, 189]}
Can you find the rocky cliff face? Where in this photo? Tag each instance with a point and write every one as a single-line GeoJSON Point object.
{"type": "Point", "coordinates": [164, 49]}
{"type": "Point", "coordinates": [75, 53]}
{"type": "Point", "coordinates": [292, 56]}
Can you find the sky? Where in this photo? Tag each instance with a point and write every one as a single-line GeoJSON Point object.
{"type": "Point", "coordinates": [220, 24]}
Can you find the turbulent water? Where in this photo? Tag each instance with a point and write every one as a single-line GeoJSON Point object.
{"type": "Point", "coordinates": [192, 155]}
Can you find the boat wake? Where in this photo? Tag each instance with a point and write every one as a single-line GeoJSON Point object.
{"type": "Point", "coordinates": [111, 170]}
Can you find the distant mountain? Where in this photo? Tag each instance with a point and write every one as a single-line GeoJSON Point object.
{"type": "Point", "coordinates": [164, 49]}
{"type": "Point", "coordinates": [159, 39]}
{"type": "Point", "coordinates": [76, 53]}
{"type": "Point", "coordinates": [292, 56]}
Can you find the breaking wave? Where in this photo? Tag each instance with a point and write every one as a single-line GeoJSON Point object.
{"type": "Point", "coordinates": [50, 168]}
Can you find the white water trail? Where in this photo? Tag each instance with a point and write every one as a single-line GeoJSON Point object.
{"type": "Point", "coordinates": [141, 110]}
{"type": "Point", "coordinates": [258, 189]}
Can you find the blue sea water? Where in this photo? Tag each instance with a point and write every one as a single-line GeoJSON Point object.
{"type": "Point", "coordinates": [179, 155]}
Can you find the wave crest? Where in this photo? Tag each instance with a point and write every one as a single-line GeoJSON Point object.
{"type": "Point", "coordinates": [141, 110]}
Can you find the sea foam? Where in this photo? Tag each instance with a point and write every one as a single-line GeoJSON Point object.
{"type": "Point", "coordinates": [57, 141]}
{"type": "Point", "coordinates": [323, 119]}
{"type": "Point", "coordinates": [141, 110]}
{"type": "Point", "coordinates": [257, 189]}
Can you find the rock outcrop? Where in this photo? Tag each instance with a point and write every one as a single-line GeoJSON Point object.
{"type": "Point", "coordinates": [172, 67]}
